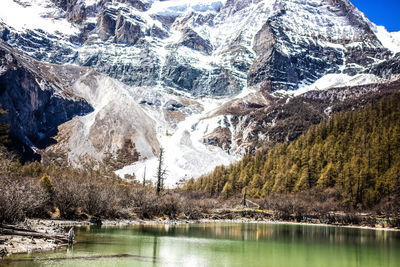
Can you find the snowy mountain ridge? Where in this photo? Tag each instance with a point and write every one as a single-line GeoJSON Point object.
{"type": "Point", "coordinates": [390, 40]}
{"type": "Point", "coordinates": [217, 42]}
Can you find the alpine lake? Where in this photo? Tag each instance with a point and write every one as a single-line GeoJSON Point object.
{"type": "Point", "coordinates": [222, 244]}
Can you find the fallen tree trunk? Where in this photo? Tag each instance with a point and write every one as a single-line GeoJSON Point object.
{"type": "Point", "coordinates": [63, 239]}
{"type": "Point", "coordinates": [13, 227]}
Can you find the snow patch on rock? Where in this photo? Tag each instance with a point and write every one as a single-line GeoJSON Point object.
{"type": "Point", "coordinates": [179, 7]}
{"type": "Point", "coordinates": [35, 15]}
{"type": "Point", "coordinates": [334, 81]}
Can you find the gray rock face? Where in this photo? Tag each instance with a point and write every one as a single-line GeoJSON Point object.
{"type": "Point", "coordinates": [122, 27]}
{"type": "Point", "coordinates": [193, 40]}
{"type": "Point", "coordinates": [199, 82]}
{"type": "Point", "coordinates": [34, 104]}
{"type": "Point", "coordinates": [144, 74]}
{"type": "Point", "coordinates": [75, 10]}
{"type": "Point", "coordinates": [127, 32]}
{"type": "Point", "coordinates": [39, 45]}
{"type": "Point", "coordinates": [106, 23]}
{"type": "Point", "coordinates": [182, 76]}
{"type": "Point", "coordinates": [287, 71]}
{"type": "Point", "coordinates": [388, 68]}
{"type": "Point", "coordinates": [138, 4]}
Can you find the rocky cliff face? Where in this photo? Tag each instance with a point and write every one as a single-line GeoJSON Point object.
{"type": "Point", "coordinates": [209, 80]}
{"type": "Point", "coordinates": [35, 104]}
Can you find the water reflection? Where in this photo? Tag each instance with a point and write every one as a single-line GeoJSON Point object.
{"type": "Point", "coordinates": [271, 232]}
{"type": "Point", "coordinates": [155, 242]}
{"type": "Point", "coordinates": [223, 244]}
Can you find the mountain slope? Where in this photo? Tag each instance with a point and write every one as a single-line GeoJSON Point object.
{"type": "Point", "coordinates": [208, 80]}
{"type": "Point", "coordinates": [355, 152]}
{"type": "Point", "coordinates": [118, 130]}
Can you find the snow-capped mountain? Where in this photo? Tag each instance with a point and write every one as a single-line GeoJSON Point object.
{"type": "Point", "coordinates": [205, 48]}
{"type": "Point", "coordinates": [202, 78]}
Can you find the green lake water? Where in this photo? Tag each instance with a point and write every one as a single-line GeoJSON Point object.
{"type": "Point", "coordinates": [222, 244]}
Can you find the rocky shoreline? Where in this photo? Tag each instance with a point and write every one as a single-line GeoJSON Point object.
{"type": "Point", "coordinates": [43, 231]}
{"type": "Point", "coordinates": [13, 244]}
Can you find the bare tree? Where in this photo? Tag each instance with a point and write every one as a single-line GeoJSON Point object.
{"type": "Point", "coordinates": [144, 176]}
{"type": "Point", "coordinates": [161, 171]}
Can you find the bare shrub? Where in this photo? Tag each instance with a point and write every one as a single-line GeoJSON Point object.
{"type": "Point", "coordinates": [77, 192]}
{"type": "Point", "coordinates": [284, 207]}
{"type": "Point", "coordinates": [69, 196]}
{"type": "Point", "coordinates": [21, 197]}
{"type": "Point", "coordinates": [144, 203]}
{"type": "Point", "coordinates": [305, 205]}
{"type": "Point", "coordinates": [102, 199]}
{"type": "Point", "coordinates": [195, 204]}
{"type": "Point", "coordinates": [169, 205]}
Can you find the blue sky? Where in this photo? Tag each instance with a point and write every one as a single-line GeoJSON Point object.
{"type": "Point", "coordinates": [381, 12]}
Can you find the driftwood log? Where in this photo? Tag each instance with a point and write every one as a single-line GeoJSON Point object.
{"type": "Point", "coordinates": [13, 227]}
{"type": "Point", "coordinates": [13, 230]}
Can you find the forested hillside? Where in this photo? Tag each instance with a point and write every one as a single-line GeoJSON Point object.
{"type": "Point", "coordinates": [357, 153]}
